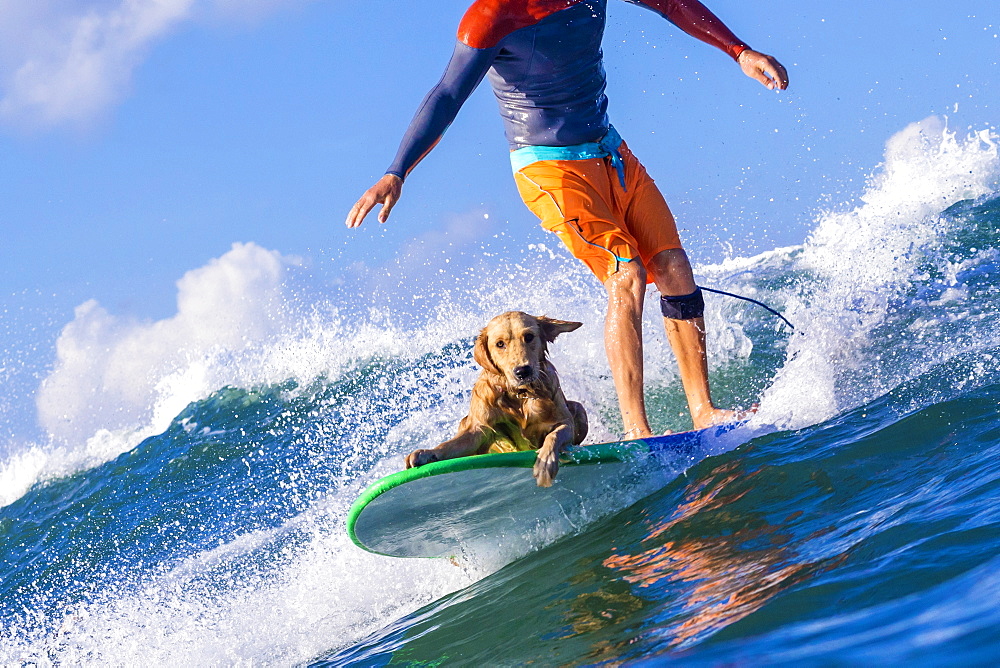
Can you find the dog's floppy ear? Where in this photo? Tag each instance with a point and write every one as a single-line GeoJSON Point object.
{"type": "Point", "coordinates": [481, 353]}
{"type": "Point", "coordinates": [553, 328]}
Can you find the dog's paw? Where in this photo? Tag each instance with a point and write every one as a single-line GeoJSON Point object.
{"type": "Point", "coordinates": [546, 467]}
{"type": "Point", "coordinates": [421, 457]}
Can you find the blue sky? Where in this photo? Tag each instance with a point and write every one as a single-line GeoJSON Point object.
{"type": "Point", "coordinates": [140, 140]}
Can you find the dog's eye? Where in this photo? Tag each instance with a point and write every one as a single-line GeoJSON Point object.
{"type": "Point", "coordinates": [501, 344]}
{"type": "Point", "coordinates": [529, 337]}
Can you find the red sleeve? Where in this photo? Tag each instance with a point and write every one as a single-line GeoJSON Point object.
{"type": "Point", "coordinates": [698, 21]}
{"type": "Point", "coordinates": [487, 22]}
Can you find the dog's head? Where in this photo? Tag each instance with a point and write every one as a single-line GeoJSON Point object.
{"type": "Point", "coordinates": [514, 345]}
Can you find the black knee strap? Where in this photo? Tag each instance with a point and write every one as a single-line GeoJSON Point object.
{"type": "Point", "coordinates": [683, 307]}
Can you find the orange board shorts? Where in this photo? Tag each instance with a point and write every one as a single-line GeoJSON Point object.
{"type": "Point", "coordinates": [601, 223]}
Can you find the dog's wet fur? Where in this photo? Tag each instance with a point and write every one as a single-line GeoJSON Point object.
{"type": "Point", "coordinates": [517, 403]}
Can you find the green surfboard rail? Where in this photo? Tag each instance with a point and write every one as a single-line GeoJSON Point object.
{"type": "Point", "coordinates": [601, 453]}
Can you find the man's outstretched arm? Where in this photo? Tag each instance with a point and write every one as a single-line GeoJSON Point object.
{"type": "Point", "coordinates": [698, 21]}
{"type": "Point", "coordinates": [466, 69]}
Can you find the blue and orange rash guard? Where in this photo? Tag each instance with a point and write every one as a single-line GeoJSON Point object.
{"type": "Point", "coordinates": [545, 64]}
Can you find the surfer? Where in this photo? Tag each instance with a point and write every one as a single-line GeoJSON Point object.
{"type": "Point", "coordinates": [572, 169]}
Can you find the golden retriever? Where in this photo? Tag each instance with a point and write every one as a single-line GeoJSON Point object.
{"type": "Point", "coordinates": [517, 403]}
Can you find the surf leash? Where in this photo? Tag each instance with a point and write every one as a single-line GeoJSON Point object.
{"type": "Point", "coordinates": [752, 301]}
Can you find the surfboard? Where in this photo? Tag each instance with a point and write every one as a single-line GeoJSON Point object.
{"type": "Point", "coordinates": [462, 506]}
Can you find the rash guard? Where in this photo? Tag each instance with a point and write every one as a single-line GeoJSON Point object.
{"type": "Point", "coordinates": [545, 64]}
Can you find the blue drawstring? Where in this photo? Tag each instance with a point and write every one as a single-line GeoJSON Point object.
{"type": "Point", "coordinates": [611, 144]}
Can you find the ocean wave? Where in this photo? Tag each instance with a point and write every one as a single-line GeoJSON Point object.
{"type": "Point", "coordinates": [198, 468]}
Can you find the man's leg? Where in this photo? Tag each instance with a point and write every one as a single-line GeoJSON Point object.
{"type": "Point", "coordinates": [575, 200]}
{"type": "Point", "coordinates": [623, 344]}
{"type": "Point", "coordinates": [673, 277]}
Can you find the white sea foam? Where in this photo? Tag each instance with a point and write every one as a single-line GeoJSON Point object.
{"type": "Point", "coordinates": [310, 599]}
{"type": "Point", "coordinates": [857, 261]}
{"type": "Point", "coordinates": [111, 373]}
{"type": "Point", "coordinates": [117, 381]}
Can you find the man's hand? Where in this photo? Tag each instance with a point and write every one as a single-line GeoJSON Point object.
{"type": "Point", "coordinates": [386, 192]}
{"type": "Point", "coordinates": [764, 69]}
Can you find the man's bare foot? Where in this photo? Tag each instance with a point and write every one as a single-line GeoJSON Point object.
{"type": "Point", "coordinates": [715, 416]}
{"type": "Point", "coordinates": [636, 433]}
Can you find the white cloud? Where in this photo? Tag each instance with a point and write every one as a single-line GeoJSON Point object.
{"type": "Point", "coordinates": [66, 61]}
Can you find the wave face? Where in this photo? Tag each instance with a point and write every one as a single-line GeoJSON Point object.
{"type": "Point", "coordinates": [188, 503]}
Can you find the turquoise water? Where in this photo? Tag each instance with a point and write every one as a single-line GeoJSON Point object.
{"type": "Point", "coordinates": [857, 521]}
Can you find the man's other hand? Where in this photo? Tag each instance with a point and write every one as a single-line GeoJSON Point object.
{"type": "Point", "coordinates": [764, 69]}
{"type": "Point", "coordinates": [386, 192]}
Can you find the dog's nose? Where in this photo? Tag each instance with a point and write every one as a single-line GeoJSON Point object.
{"type": "Point", "coordinates": [523, 372]}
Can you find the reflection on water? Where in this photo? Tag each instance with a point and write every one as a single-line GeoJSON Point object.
{"type": "Point", "coordinates": [705, 566]}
